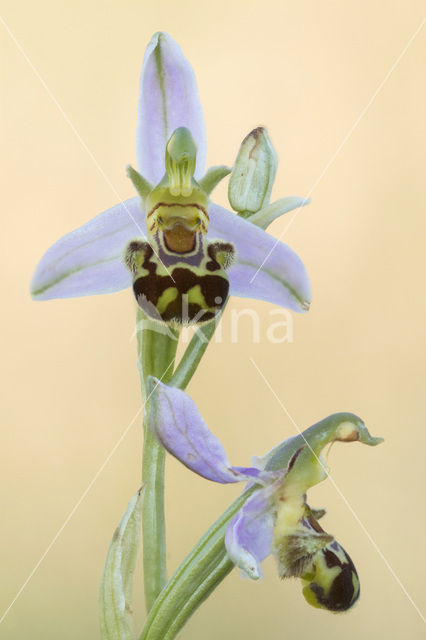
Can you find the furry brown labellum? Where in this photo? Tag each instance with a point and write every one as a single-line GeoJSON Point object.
{"type": "Point", "coordinates": [184, 288]}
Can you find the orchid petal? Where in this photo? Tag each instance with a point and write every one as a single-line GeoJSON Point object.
{"type": "Point", "coordinates": [168, 99]}
{"type": "Point", "coordinates": [248, 537]}
{"type": "Point", "coordinates": [178, 425]}
{"type": "Point", "coordinates": [88, 260]}
{"type": "Point", "coordinates": [265, 268]}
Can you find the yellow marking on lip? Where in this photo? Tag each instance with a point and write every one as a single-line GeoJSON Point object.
{"type": "Point", "coordinates": [168, 296]}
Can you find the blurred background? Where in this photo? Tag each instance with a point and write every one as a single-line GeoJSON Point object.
{"type": "Point", "coordinates": [308, 71]}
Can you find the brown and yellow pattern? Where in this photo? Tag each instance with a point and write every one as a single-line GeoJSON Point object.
{"type": "Point", "coordinates": [184, 288]}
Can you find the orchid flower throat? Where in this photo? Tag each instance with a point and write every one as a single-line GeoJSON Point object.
{"type": "Point", "coordinates": [178, 276]}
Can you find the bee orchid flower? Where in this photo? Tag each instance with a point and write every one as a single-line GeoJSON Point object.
{"type": "Point", "coordinates": [276, 518]}
{"type": "Point", "coordinates": [91, 259]}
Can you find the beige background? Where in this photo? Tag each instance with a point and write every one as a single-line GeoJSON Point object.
{"type": "Point", "coordinates": [69, 380]}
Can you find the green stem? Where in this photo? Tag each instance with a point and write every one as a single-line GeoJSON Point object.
{"type": "Point", "coordinates": [195, 578]}
{"type": "Point", "coordinates": [193, 354]}
{"type": "Point", "coordinates": [156, 353]}
{"type": "Point", "coordinates": [218, 572]}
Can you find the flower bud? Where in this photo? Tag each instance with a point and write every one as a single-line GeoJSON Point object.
{"type": "Point", "coordinates": [253, 175]}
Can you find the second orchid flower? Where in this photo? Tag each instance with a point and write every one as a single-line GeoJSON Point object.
{"type": "Point", "coordinates": [276, 517]}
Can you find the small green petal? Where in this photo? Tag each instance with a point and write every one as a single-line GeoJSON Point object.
{"type": "Point", "coordinates": [212, 178]}
{"type": "Point", "coordinates": [142, 186]}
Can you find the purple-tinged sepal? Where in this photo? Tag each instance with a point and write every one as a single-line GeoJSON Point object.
{"type": "Point", "coordinates": [249, 535]}
{"type": "Point", "coordinates": [89, 260]}
{"type": "Point", "coordinates": [168, 99]}
{"type": "Point", "coordinates": [264, 268]}
{"type": "Point", "coordinates": [178, 425]}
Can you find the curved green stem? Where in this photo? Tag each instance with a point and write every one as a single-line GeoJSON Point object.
{"type": "Point", "coordinates": [193, 581]}
{"type": "Point", "coordinates": [219, 571]}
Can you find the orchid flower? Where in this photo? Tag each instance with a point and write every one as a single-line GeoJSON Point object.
{"type": "Point", "coordinates": [90, 259]}
{"type": "Point", "coordinates": [275, 517]}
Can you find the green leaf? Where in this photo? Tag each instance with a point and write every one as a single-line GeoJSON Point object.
{"type": "Point", "coordinates": [115, 592]}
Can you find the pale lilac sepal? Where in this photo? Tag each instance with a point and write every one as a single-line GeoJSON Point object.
{"type": "Point", "coordinates": [88, 260]}
{"type": "Point", "coordinates": [282, 278]}
{"type": "Point", "coordinates": [248, 537]}
{"type": "Point", "coordinates": [179, 426]}
{"type": "Point", "coordinates": [168, 99]}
